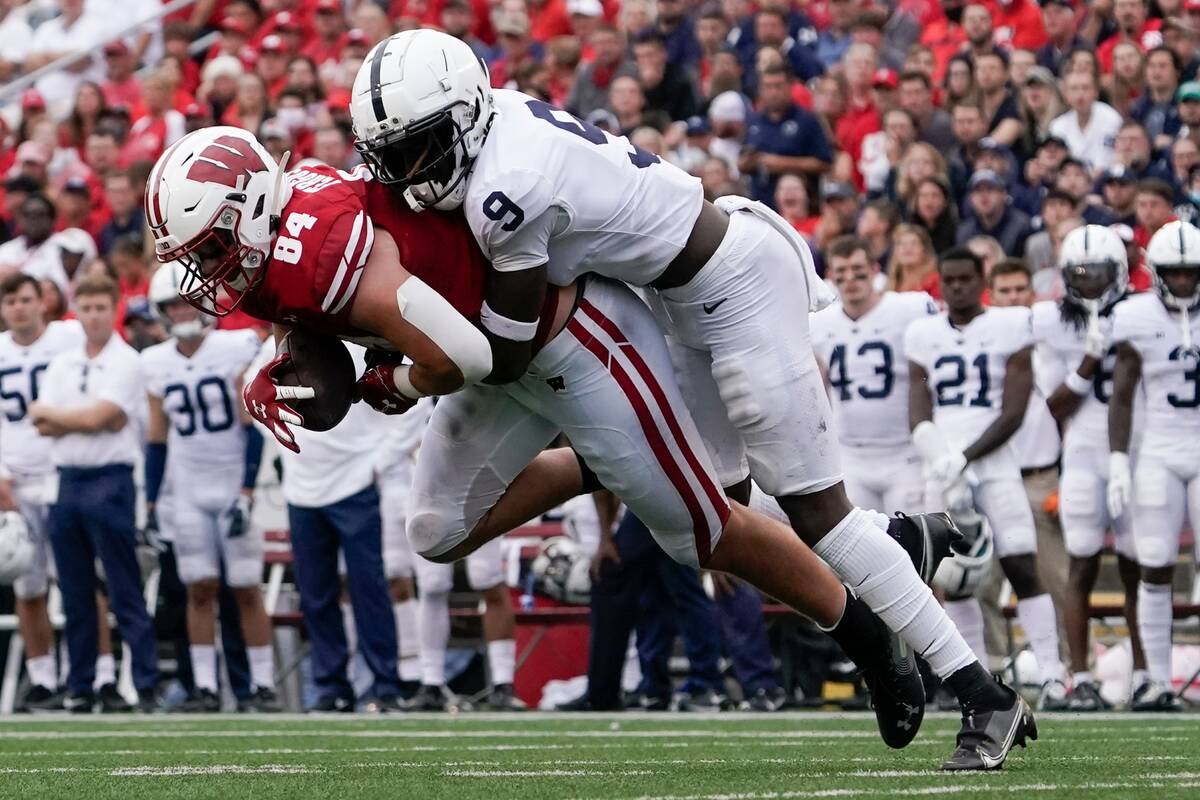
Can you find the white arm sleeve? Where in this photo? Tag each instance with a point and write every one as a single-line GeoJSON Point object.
{"type": "Point", "coordinates": [432, 314]}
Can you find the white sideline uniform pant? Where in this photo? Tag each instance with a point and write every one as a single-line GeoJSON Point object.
{"type": "Point", "coordinates": [1083, 502]}
{"type": "Point", "coordinates": [749, 374]}
{"type": "Point", "coordinates": [32, 502]}
{"type": "Point", "coordinates": [484, 570]}
{"type": "Point", "coordinates": [394, 492]}
{"type": "Point", "coordinates": [886, 478]}
{"type": "Point", "coordinates": [1003, 502]}
{"type": "Point", "coordinates": [1166, 489]}
{"type": "Point", "coordinates": [606, 381]}
{"type": "Point", "coordinates": [201, 514]}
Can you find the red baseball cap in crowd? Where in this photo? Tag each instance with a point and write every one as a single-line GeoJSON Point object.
{"type": "Point", "coordinates": [287, 21]}
{"type": "Point", "coordinates": [235, 25]}
{"type": "Point", "coordinates": [32, 99]}
{"type": "Point", "coordinates": [271, 44]}
{"type": "Point", "coordinates": [885, 78]}
{"type": "Point", "coordinates": [1191, 5]}
{"type": "Point", "coordinates": [195, 111]}
{"type": "Point", "coordinates": [356, 36]}
{"type": "Point", "coordinates": [116, 48]}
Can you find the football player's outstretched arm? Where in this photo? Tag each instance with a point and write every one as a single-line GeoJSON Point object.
{"type": "Point", "coordinates": [512, 297]}
{"type": "Point", "coordinates": [447, 351]}
{"type": "Point", "coordinates": [1126, 375]}
{"type": "Point", "coordinates": [920, 403]}
{"type": "Point", "coordinates": [1018, 383]}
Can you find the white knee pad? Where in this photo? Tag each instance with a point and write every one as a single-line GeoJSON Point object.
{"type": "Point", "coordinates": [432, 531]}
{"type": "Point", "coordinates": [484, 567]}
{"type": "Point", "coordinates": [243, 571]}
{"type": "Point", "coordinates": [1158, 514]}
{"type": "Point", "coordinates": [1007, 509]}
{"type": "Point", "coordinates": [195, 567]}
{"type": "Point", "coordinates": [1083, 512]}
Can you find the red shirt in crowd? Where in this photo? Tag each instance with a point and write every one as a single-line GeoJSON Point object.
{"type": "Point", "coordinates": [1017, 24]}
{"type": "Point", "coordinates": [1149, 37]}
{"type": "Point", "coordinates": [548, 20]}
{"type": "Point", "coordinates": [852, 127]}
{"type": "Point", "coordinates": [945, 39]}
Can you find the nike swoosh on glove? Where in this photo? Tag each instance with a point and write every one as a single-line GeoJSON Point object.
{"type": "Point", "coordinates": [264, 399]}
{"type": "Point", "coordinates": [377, 388]}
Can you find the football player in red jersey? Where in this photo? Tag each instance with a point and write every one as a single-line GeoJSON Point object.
{"type": "Point", "coordinates": [335, 252]}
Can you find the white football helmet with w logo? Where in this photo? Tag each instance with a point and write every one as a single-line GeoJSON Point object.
{"type": "Point", "coordinates": [213, 202]}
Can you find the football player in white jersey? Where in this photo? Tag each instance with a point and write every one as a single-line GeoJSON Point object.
{"type": "Point", "coordinates": [550, 198]}
{"type": "Point", "coordinates": [971, 377]}
{"type": "Point", "coordinates": [1157, 334]}
{"type": "Point", "coordinates": [394, 464]}
{"type": "Point", "coordinates": [860, 341]}
{"type": "Point", "coordinates": [1076, 358]}
{"type": "Point", "coordinates": [26, 472]}
{"type": "Point", "coordinates": [192, 382]}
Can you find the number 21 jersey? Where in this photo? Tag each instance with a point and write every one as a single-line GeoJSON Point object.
{"type": "Point", "coordinates": [547, 185]}
{"type": "Point", "coordinates": [966, 366]}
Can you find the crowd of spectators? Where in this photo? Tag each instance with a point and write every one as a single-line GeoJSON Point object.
{"type": "Point", "coordinates": [917, 124]}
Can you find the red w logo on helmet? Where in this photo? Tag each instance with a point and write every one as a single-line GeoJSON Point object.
{"type": "Point", "coordinates": [229, 160]}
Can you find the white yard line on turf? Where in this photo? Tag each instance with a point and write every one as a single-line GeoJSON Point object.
{"type": "Point", "coordinates": [213, 769]}
{"type": "Point", "coordinates": [545, 773]}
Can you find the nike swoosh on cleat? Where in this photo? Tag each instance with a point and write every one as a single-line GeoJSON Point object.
{"type": "Point", "coordinates": [991, 762]}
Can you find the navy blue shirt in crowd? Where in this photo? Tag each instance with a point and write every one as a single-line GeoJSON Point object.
{"type": "Point", "coordinates": [797, 133]}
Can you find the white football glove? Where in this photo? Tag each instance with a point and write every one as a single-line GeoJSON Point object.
{"type": "Point", "coordinates": [958, 495]}
{"type": "Point", "coordinates": [1120, 483]}
{"type": "Point", "coordinates": [947, 469]}
{"type": "Point", "coordinates": [1099, 337]}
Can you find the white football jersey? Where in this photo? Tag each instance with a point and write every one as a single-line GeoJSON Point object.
{"type": "Point", "coordinates": [867, 367]}
{"type": "Point", "coordinates": [550, 189]}
{"type": "Point", "coordinates": [1060, 348]}
{"type": "Point", "coordinates": [1170, 376]}
{"type": "Point", "coordinates": [966, 366]}
{"type": "Point", "coordinates": [200, 395]}
{"type": "Point", "coordinates": [24, 451]}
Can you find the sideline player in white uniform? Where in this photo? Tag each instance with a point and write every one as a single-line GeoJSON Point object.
{"type": "Point", "coordinates": [394, 463]}
{"type": "Point", "coordinates": [1076, 358]}
{"type": "Point", "coordinates": [1157, 334]}
{"type": "Point", "coordinates": [192, 382]}
{"type": "Point", "coordinates": [550, 198]}
{"type": "Point", "coordinates": [971, 376]}
{"type": "Point", "coordinates": [860, 341]}
{"type": "Point", "coordinates": [26, 473]}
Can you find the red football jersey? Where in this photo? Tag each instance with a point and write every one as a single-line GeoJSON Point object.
{"type": "Point", "coordinates": [327, 231]}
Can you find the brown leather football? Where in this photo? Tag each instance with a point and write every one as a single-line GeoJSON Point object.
{"type": "Point", "coordinates": [324, 363]}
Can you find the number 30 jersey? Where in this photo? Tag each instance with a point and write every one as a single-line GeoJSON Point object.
{"type": "Point", "coordinates": [23, 451]}
{"type": "Point", "coordinates": [201, 398]}
{"type": "Point", "coordinates": [966, 366]}
{"type": "Point", "coordinates": [1170, 375]}
{"type": "Point", "coordinates": [867, 369]}
{"type": "Point", "coordinates": [550, 189]}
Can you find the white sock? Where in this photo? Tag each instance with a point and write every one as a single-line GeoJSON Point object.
{"type": "Point", "coordinates": [1139, 677]}
{"type": "Point", "coordinates": [408, 640]}
{"type": "Point", "coordinates": [106, 670]}
{"type": "Point", "coordinates": [204, 666]}
{"type": "Point", "coordinates": [502, 659]}
{"type": "Point", "coordinates": [41, 671]}
{"type": "Point", "coordinates": [967, 616]}
{"type": "Point", "coordinates": [880, 572]}
{"type": "Point", "coordinates": [1081, 677]}
{"type": "Point", "coordinates": [1154, 624]}
{"type": "Point", "coordinates": [434, 612]}
{"type": "Point", "coordinates": [1037, 616]}
{"type": "Point", "coordinates": [262, 666]}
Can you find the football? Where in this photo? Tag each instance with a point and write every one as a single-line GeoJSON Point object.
{"type": "Point", "coordinates": [324, 363]}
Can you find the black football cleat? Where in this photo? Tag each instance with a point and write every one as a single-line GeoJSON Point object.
{"type": "Point", "coordinates": [262, 701]}
{"type": "Point", "coordinates": [765, 700]}
{"type": "Point", "coordinates": [501, 698]}
{"type": "Point", "coordinates": [150, 701]}
{"type": "Point", "coordinates": [986, 737]}
{"type": "Point", "coordinates": [927, 538]}
{"type": "Point", "coordinates": [79, 703]}
{"type": "Point", "coordinates": [897, 692]}
{"type": "Point", "coordinates": [111, 701]}
{"type": "Point", "coordinates": [201, 701]}
{"type": "Point", "coordinates": [333, 703]}
{"type": "Point", "coordinates": [429, 698]}
{"type": "Point", "coordinates": [1156, 697]}
{"type": "Point", "coordinates": [1085, 697]}
{"type": "Point", "coordinates": [706, 700]}
{"type": "Point", "coordinates": [40, 699]}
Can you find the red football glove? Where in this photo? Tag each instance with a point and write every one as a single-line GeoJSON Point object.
{"type": "Point", "coordinates": [262, 397]}
{"type": "Point", "coordinates": [377, 387]}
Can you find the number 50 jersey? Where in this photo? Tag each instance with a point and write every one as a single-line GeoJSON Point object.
{"type": "Point", "coordinates": [201, 397]}
{"type": "Point", "coordinates": [867, 368]}
{"type": "Point", "coordinates": [966, 367]}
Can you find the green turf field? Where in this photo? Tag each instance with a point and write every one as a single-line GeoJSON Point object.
{"type": "Point", "coordinates": [533, 756]}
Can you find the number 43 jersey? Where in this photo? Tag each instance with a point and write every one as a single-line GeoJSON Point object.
{"type": "Point", "coordinates": [867, 368]}
{"type": "Point", "coordinates": [24, 451]}
{"type": "Point", "coordinates": [1170, 375]}
{"type": "Point", "coordinates": [966, 366]}
{"type": "Point", "coordinates": [201, 398]}
{"type": "Point", "coordinates": [550, 189]}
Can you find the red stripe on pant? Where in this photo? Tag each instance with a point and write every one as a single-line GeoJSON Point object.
{"type": "Point", "coordinates": [653, 435]}
{"type": "Point", "coordinates": [714, 494]}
